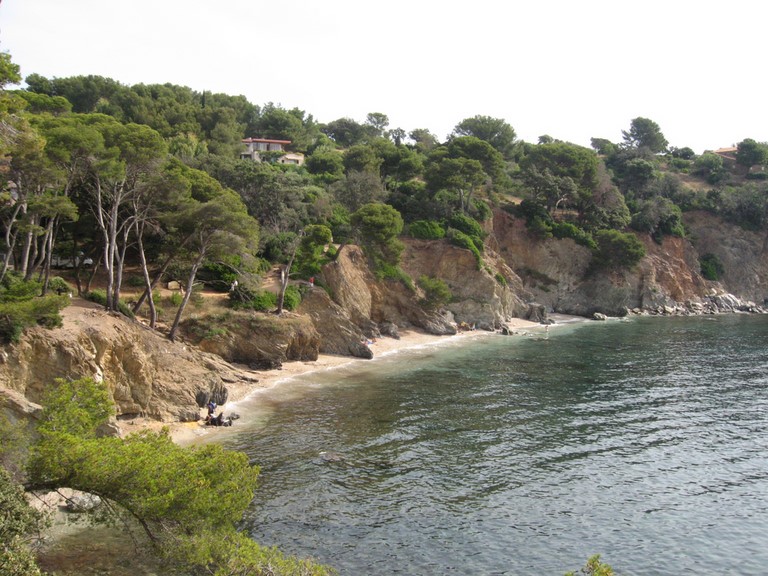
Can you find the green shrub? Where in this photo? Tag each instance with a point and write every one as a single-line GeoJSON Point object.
{"type": "Point", "coordinates": [711, 267]}
{"type": "Point", "coordinates": [568, 230]}
{"type": "Point", "coordinates": [594, 567]}
{"type": "Point", "coordinates": [426, 230]}
{"type": "Point", "coordinates": [18, 521]}
{"type": "Point", "coordinates": [59, 285]}
{"type": "Point", "coordinates": [21, 308]}
{"type": "Point", "coordinates": [134, 281]}
{"type": "Point", "coordinates": [617, 250]}
{"type": "Point", "coordinates": [219, 275]}
{"type": "Point", "coordinates": [97, 296]}
{"type": "Point", "coordinates": [15, 288]}
{"type": "Point", "coordinates": [458, 238]}
{"type": "Point", "coordinates": [540, 227]}
{"type": "Point", "coordinates": [468, 226]}
{"type": "Point", "coordinates": [387, 271]}
{"type": "Point", "coordinates": [680, 164]}
{"type": "Point", "coordinates": [658, 216]}
{"type": "Point", "coordinates": [16, 316]}
{"type": "Point", "coordinates": [436, 292]}
{"type": "Point", "coordinates": [240, 297]}
{"type": "Point", "coordinates": [500, 279]}
{"type": "Point", "coordinates": [264, 301]}
{"type": "Point", "coordinates": [292, 298]}
{"type": "Point", "coordinates": [529, 209]}
{"type": "Point", "coordinates": [100, 297]}
{"type": "Point", "coordinates": [481, 211]}
{"type": "Point", "coordinates": [176, 298]}
{"type": "Point", "coordinates": [196, 298]}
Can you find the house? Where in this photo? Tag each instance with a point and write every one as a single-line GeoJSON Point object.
{"type": "Point", "coordinates": [729, 152]}
{"type": "Point", "coordinates": [255, 147]}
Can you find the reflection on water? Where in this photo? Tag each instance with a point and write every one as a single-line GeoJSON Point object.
{"type": "Point", "coordinates": [644, 441]}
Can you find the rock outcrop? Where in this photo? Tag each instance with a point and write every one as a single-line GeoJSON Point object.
{"type": "Point", "coordinates": [556, 271]}
{"type": "Point", "coordinates": [259, 341]}
{"type": "Point", "coordinates": [519, 276]}
{"type": "Point", "coordinates": [484, 294]}
{"type": "Point", "coordinates": [371, 303]}
{"type": "Point", "coordinates": [146, 373]}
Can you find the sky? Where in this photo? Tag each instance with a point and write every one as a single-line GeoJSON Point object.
{"type": "Point", "coordinates": [570, 70]}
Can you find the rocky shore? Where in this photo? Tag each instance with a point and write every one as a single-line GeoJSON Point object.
{"type": "Point", "coordinates": [714, 303]}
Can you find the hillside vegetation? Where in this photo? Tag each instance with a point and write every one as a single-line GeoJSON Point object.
{"type": "Point", "coordinates": [151, 176]}
{"type": "Point", "coordinates": [137, 198]}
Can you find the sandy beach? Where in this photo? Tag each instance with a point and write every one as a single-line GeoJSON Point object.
{"type": "Point", "coordinates": [186, 433]}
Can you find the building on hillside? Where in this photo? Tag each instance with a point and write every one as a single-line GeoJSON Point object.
{"type": "Point", "coordinates": [255, 149]}
{"type": "Point", "coordinates": [728, 155]}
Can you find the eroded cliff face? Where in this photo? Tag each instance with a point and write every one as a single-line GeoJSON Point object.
{"type": "Point", "coordinates": [151, 376]}
{"type": "Point", "coordinates": [484, 294]}
{"type": "Point", "coordinates": [556, 272]}
{"type": "Point", "coordinates": [375, 306]}
{"type": "Point", "coordinates": [743, 253]}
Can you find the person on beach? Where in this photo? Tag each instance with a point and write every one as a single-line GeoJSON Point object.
{"type": "Point", "coordinates": [211, 410]}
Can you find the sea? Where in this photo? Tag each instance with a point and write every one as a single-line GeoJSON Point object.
{"type": "Point", "coordinates": [642, 440]}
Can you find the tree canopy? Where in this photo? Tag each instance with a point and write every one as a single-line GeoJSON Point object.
{"type": "Point", "coordinates": [645, 134]}
{"type": "Point", "coordinates": [496, 131]}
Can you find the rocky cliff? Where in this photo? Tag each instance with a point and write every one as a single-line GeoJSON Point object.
{"type": "Point", "coordinates": [555, 272]}
{"type": "Point", "coordinates": [146, 373]}
{"type": "Point", "coordinates": [519, 276]}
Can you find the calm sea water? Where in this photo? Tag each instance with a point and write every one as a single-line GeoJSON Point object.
{"type": "Point", "coordinates": [645, 441]}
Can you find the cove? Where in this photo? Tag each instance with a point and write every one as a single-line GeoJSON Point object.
{"type": "Point", "coordinates": [642, 440]}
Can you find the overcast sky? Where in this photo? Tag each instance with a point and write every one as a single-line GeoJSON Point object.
{"type": "Point", "coordinates": [569, 69]}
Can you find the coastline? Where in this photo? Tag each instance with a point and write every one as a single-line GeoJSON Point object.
{"type": "Point", "coordinates": [189, 433]}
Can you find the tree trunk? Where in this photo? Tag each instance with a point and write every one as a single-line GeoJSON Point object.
{"type": "Point", "coordinates": [145, 273]}
{"type": "Point", "coordinates": [285, 275]}
{"type": "Point", "coordinates": [187, 294]}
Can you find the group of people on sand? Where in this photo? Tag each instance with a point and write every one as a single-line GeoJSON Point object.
{"type": "Point", "coordinates": [212, 420]}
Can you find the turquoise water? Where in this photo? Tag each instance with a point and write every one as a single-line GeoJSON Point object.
{"type": "Point", "coordinates": [643, 440]}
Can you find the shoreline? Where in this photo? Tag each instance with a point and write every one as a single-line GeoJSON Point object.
{"type": "Point", "coordinates": [190, 433]}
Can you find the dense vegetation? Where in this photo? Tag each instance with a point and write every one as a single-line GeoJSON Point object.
{"type": "Point", "coordinates": [152, 175]}
{"type": "Point", "coordinates": [103, 175]}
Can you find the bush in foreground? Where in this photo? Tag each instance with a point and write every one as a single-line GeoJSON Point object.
{"type": "Point", "coordinates": [187, 500]}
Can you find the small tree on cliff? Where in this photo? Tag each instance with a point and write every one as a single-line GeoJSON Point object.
{"type": "Point", "coordinates": [616, 250]}
{"type": "Point", "coordinates": [377, 227]}
{"type": "Point", "coordinates": [285, 274]}
{"type": "Point", "coordinates": [308, 248]}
